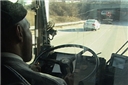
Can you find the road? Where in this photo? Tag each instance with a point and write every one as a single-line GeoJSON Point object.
{"type": "Point", "coordinates": [107, 40]}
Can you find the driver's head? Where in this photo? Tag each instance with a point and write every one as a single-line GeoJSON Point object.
{"type": "Point", "coordinates": [15, 34]}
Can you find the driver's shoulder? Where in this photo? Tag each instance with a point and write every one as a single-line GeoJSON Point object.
{"type": "Point", "coordinates": [33, 77]}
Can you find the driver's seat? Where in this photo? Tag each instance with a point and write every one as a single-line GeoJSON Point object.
{"type": "Point", "coordinates": [12, 77]}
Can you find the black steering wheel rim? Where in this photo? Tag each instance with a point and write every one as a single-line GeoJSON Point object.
{"type": "Point", "coordinates": [72, 45]}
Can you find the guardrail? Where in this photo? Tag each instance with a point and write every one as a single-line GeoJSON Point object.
{"type": "Point", "coordinates": [68, 23]}
{"type": "Point", "coordinates": [62, 24]}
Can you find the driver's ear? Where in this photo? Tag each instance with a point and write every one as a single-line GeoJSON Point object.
{"type": "Point", "coordinates": [19, 33]}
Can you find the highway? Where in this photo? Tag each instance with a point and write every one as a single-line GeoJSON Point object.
{"type": "Point", "coordinates": [107, 40]}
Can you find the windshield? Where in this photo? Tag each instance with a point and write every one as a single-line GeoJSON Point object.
{"type": "Point", "coordinates": [69, 17]}
{"type": "Point", "coordinates": [107, 40]}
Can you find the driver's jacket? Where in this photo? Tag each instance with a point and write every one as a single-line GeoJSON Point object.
{"type": "Point", "coordinates": [34, 78]}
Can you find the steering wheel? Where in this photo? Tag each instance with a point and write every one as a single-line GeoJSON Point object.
{"type": "Point", "coordinates": [64, 63]}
